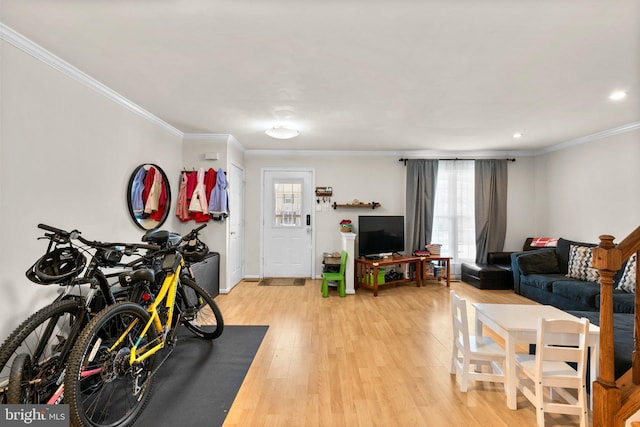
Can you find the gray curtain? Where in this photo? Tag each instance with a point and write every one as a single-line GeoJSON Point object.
{"type": "Point", "coordinates": [490, 207]}
{"type": "Point", "coordinates": [421, 191]}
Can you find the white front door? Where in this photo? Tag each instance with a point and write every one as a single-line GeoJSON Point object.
{"type": "Point", "coordinates": [287, 219]}
{"type": "Point", "coordinates": [236, 225]}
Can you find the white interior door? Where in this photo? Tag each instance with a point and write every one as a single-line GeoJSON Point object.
{"type": "Point", "coordinates": [287, 219]}
{"type": "Point", "coordinates": [236, 225]}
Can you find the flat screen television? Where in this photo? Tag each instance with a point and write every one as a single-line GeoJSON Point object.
{"type": "Point", "coordinates": [380, 234]}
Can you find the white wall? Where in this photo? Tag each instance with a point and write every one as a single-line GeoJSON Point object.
{"type": "Point", "coordinates": [522, 220]}
{"type": "Point", "coordinates": [367, 178]}
{"type": "Point", "coordinates": [592, 188]}
{"type": "Point", "coordinates": [65, 159]}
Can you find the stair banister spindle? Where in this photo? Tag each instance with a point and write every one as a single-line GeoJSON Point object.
{"type": "Point", "coordinates": [606, 395]}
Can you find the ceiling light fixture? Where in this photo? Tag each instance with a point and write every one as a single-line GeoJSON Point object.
{"type": "Point", "coordinates": [282, 132]}
{"type": "Point", "coordinates": [517, 135]}
{"type": "Point", "coordinates": [618, 95]}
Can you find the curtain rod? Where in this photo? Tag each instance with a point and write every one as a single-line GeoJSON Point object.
{"type": "Point", "coordinates": [508, 160]}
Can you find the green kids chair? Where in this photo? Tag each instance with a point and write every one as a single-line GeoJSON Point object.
{"type": "Point", "coordinates": [338, 277]}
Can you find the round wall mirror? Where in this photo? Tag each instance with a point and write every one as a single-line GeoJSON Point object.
{"type": "Point", "coordinates": [148, 196]}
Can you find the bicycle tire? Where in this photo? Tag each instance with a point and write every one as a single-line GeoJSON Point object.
{"type": "Point", "coordinates": [101, 388]}
{"type": "Point", "coordinates": [193, 299]}
{"type": "Point", "coordinates": [21, 371]}
{"type": "Point", "coordinates": [46, 332]}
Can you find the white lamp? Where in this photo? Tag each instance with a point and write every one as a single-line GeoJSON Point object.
{"type": "Point", "coordinates": [281, 132]}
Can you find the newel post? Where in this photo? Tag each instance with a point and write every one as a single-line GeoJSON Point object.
{"type": "Point", "coordinates": [606, 395]}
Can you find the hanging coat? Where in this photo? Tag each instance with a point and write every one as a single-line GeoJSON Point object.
{"type": "Point", "coordinates": [148, 183]}
{"type": "Point", "coordinates": [153, 200]}
{"type": "Point", "coordinates": [162, 201]}
{"type": "Point", "coordinates": [199, 198]}
{"type": "Point", "coordinates": [137, 205]}
{"type": "Point", "coordinates": [219, 200]}
{"type": "Point", "coordinates": [182, 208]}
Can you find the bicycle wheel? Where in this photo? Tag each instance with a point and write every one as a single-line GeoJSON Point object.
{"type": "Point", "coordinates": [200, 313]}
{"type": "Point", "coordinates": [19, 389]}
{"type": "Point", "coordinates": [47, 337]}
{"type": "Point", "coordinates": [101, 387]}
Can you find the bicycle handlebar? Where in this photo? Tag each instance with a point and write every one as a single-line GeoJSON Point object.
{"type": "Point", "coordinates": [192, 233]}
{"type": "Point", "coordinates": [52, 229]}
{"type": "Point", "coordinates": [75, 234]}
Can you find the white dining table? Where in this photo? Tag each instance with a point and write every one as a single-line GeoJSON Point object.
{"type": "Point", "coordinates": [517, 324]}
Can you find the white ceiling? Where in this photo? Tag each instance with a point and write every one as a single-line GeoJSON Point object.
{"type": "Point", "coordinates": [372, 75]}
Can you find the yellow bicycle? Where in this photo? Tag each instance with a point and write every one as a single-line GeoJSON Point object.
{"type": "Point", "coordinates": [110, 370]}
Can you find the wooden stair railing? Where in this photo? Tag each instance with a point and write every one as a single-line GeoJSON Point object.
{"type": "Point", "coordinates": [607, 395]}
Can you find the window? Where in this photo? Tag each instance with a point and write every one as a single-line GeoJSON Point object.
{"type": "Point", "coordinates": [288, 204]}
{"type": "Point", "coordinates": [454, 212]}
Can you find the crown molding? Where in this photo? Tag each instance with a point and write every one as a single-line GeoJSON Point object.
{"type": "Point", "coordinates": [235, 143]}
{"type": "Point", "coordinates": [205, 136]}
{"type": "Point", "coordinates": [406, 154]}
{"type": "Point", "coordinates": [228, 138]}
{"type": "Point", "coordinates": [592, 137]}
{"type": "Point", "coordinates": [29, 47]}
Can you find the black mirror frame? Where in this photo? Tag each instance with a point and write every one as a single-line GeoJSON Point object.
{"type": "Point", "coordinates": [140, 221]}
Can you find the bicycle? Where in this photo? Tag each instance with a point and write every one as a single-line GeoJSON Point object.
{"type": "Point", "coordinates": [111, 367]}
{"type": "Point", "coordinates": [33, 357]}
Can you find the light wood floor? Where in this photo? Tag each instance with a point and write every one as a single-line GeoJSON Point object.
{"type": "Point", "coordinates": [362, 360]}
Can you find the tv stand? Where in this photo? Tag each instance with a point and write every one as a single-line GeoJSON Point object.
{"type": "Point", "coordinates": [366, 274]}
{"type": "Point", "coordinates": [372, 257]}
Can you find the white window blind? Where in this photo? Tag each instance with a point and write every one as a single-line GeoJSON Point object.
{"type": "Point", "coordinates": [454, 213]}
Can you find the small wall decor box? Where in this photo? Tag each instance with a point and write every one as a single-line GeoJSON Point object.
{"type": "Point", "coordinates": [346, 226]}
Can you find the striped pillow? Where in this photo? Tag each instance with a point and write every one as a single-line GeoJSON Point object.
{"type": "Point", "coordinates": [627, 282]}
{"type": "Point", "coordinates": [580, 266]}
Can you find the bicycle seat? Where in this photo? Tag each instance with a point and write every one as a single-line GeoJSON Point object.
{"type": "Point", "coordinates": [161, 237]}
{"type": "Point", "coordinates": [129, 278]}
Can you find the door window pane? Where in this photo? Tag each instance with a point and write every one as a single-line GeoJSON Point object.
{"type": "Point", "coordinates": [288, 204]}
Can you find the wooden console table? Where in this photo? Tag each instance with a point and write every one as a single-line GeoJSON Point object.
{"type": "Point", "coordinates": [366, 274]}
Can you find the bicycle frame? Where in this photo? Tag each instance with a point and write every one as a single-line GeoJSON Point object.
{"type": "Point", "coordinates": [166, 295]}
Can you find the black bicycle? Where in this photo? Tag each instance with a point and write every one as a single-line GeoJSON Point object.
{"type": "Point", "coordinates": [33, 357]}
{"type": "Point", "coordinates": [112, 365]}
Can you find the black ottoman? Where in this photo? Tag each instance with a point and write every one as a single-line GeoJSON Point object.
{"type": "Point", "coordinates": [487, 276]}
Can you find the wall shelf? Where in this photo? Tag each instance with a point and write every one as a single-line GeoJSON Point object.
{"type": "Point", "coordinates": [371, 205]}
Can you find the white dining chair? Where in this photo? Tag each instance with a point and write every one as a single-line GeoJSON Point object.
{"type": "Point", "coordinates": [470, 353]}
{"type": "Point", "coordinates": [547, 379]}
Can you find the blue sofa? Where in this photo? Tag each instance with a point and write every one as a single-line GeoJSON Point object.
{"type": "Point", "coordinates": [541, 275]}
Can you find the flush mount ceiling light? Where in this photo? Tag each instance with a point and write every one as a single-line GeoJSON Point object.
{"type": "Point", "coordinates": [282, 132]}
{"type": "Point", "coordinates": [517, 135]}
{"type": "Point", "coordinates": [618, 95]}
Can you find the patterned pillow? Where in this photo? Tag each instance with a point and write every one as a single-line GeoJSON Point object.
{"type": "Point", "coordinates": [627, 282]}
{"type": "Point", "coordinates": [593, 275]}
{"type": "Point", "coordinates": [580, 266]}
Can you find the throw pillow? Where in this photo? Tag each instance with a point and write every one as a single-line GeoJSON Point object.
{"type": "Point", "coordinates": [543, 242]}
{"type": "Point", "coordinates": [538, 262]}
{"type": "Point", "coordinates": [580, 263]}
{"type": "Point", "coordinates": [562, 251]}
{"type": "Point", "coordinates": [628, 280]}
{"type": "Point", "coordinates": [593, 275]}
